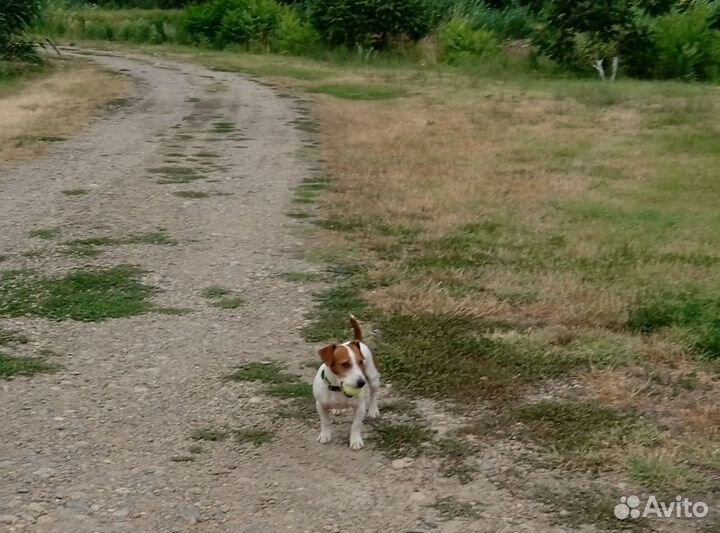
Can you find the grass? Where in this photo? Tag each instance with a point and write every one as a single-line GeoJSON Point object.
{"type": "Point", "coordinates": [450, 508]}
{"type": "Point", "coordinates": [210, 435]}
{"type": "Point", "coordinates": [86, 295]}
{"type": "Point", "coordinates": [192, 194]}
{"type": "Point", "coordinates": [22, 366]}
{"type": "Point", "coordinates": [360, 92]}
{"type": "Point", "coordinates": [8, 336]}
{"type": "Point", "coordinates": [75, 192]}
{"type": "Point", "coordinates": [46, 234]}
{"type": "Point", "coordinates": [92, 246]}
{"type": "Point", "coordinates": [223, 298]}
{"type": "Point", "coordinates": [176, 175]}
{"type": "Point", "coordinates": [291, 390]}
{"type": "Point", "coordinates": [47, 106]}
{"type": "Point", "coordinates": [256, 437]}
{"type": "Point", "coordinates": [267, 373]}
{"type": "Point", "coordinates": [401, 440]}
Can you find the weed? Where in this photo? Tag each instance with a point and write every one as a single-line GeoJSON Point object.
{"type": "Point", "coordinates": [360, 92]}
{"type": "Point", "coordinates": [22, 366]}
{"type": "Point", "coordinates": [230, 302]}
{"type": "Point", "coordinates": [182, 458]}
{"type": "Point", "coordinates": [223, 297]}
{"type": "Point", "coordinates": [196, 448]}
{"type": "Point", "coordinates": [401, 440]}
{"type": "Point", "coordinates": [172, 311]}
{"type": "Point", "coordinates": [75, 192]}
{"type": "Point", "coordinates": [179, 175]}
{"type": "Point", "coordinates": [90, 295]}
{"type": "Point", "coordinates": [91, 246]}
{"type": "Point", "coordinates": [12, 337]}
{"type": "Point", "coordinates": [291, 390]}
{"type": "Point", "coordinates": [256, 437]}
{"type": "Point", "coordinates": [210, 435]}
{"type": "Point", "coordinates": [47, 234]}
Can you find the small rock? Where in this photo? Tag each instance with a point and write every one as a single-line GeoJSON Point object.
{"type": "Point", "coordinates": [7, 519]}
{"type": "Point", "coordinates": [121, 514]}
{"type": "Point", "coordinates": [36, 507]}
{"type": "Point", "coordinates": [78, 505]}
{"type": "Point", "coordinates": [191, 513]}
{"type": "Point", "coordinates": [399, 464]}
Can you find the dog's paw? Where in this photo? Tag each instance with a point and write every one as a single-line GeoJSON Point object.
{"type": "Point", "coordinates": [373, 412]}
{"type": "Point", "coordinates": [324, 437]}
{"type": "Point", "coordinates": [356, 442]}
{"type": "Point", "coordinates": [336, 412]}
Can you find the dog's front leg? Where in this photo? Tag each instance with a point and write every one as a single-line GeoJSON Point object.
{"type": "Point", "coordinates": [325, 424]}
{"type": "Point", "coordinates": [356, 440]}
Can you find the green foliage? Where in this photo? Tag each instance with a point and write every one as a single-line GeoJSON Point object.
{"type": "Point", "coordinates": [294, 35]}
{"type": "Point", "coordinates": [16, 17]}
{"type": "Point", "coordinates": [369, 22]}
{"type": "Point", "coordinates": [461, 42]}
{"type": "Point", "coordinates": [687, 45]}
{"type": "Point", "coordinates": [510, 21]}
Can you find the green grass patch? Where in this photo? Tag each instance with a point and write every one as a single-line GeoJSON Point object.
{"type": "Point", "coordinates": [75, 192]}
{"type": "Point", "coordinates": [256, 437]}
{"type": "Point", "coordinates": [223, 126]}
{"type": "Point", "coordinates": [89, 295]}
{"type": "Point", "coordinates": [401, 440]}
{"type": "Point", "coordinates": [351, 91]}
{"type": "Point", "coordinates": [172, 311]}
{"type": "Point", "coordinates": [575, 427]}
{"type": "Point", "coordinates": [483, 359]}
{"type": "Point", "coordinates": [694, 316]}
{"type": "Point", "coordinates": [268, 373]}
{"type": "Point", "coordinates": [176, 175]}
{"type": "Point", "coordinates": [211, 435]}
{"type": "Point", "coordinates": [91, 246]}
{"type": "Point", "coordinates": [291, 390]}
{"type": "Point", "coordinates": [330, 321]}
{"type": "Point", "coordinates": [664, 474]}
{"type": "Point", "coordinates": [223, 297]}
{"type": "Point", "coordinates": [22, 366]}
{"type": "Point", "coordinates": [46, 234]}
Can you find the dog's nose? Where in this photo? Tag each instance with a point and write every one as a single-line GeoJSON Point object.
{"type": "Point", "coordinates": [360, 383]}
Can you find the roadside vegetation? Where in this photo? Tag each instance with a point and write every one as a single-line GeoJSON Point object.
{"type": "Point", "coordinates": [642, 38]}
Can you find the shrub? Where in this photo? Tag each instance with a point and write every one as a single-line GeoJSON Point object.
{"type": "Point", "coordinates": [369, 22]}
{"type": "Point", "coordinates": [576, 33]}
{"type": "Point", "coordinates": [687, 45]}
{"type": "Point", "coordinates": [16, 16]}
{"type": "Point", "coordinates": [512, 21]}
{"type": "Point", "coordinates": [461, 42]}
{"type": "Point", "coordinates": [294, 36]}
{"type": "Point", "coordinates": [251, 21]}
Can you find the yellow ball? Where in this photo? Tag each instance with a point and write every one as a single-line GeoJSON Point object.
{"type": "Point", "coordinates": [350, 391]}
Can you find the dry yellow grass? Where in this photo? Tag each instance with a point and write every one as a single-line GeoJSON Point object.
{"type": "Point", "coordinates": [53, 106]}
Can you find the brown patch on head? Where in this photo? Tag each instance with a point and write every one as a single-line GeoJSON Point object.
{"type": "Point", "coordinates": [342, 362]}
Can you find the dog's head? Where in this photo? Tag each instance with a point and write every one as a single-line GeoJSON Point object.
{"type": "Point", "coordinates": [346, 361]}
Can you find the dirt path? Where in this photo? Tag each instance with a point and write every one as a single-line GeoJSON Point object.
{"type": "Point", "coordinates": [91, 448]}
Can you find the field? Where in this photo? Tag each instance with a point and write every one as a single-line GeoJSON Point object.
{"type": "Point", "coordinates": [543, 252]}
{"type": "Point", "coordinates": [534, 256]}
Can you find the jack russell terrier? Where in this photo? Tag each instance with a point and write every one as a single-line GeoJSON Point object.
{"type": "Point", "coordinates": [348, 377]}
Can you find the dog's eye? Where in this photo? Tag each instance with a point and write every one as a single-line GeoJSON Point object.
{"type": "Point", "coordinates": [361, 362]}
{"type": "Point", "coordinates": [346, 365]}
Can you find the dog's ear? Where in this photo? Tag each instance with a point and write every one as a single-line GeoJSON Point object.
{"type": "Point", "coordinates": [327, 354]}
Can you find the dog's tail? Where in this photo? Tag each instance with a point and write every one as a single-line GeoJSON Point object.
{"type": "Point", "coordinates": [356, 328]}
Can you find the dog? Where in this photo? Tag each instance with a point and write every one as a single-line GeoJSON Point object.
{"type": "Point", "coordinates": [348, 377]}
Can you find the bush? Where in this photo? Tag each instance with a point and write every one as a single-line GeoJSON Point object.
{"type": "Point", "coordinates": [512, 21]}
{"type": "Point", "coordinates": [687, 46]}
{"type": "Point", "coordinates": [369, 22]}
{"type": "Point", "coordinates": [251, 21]}
{"type": "Point", "coordinates": [460, 42]}
{"type": "Point", "coordinates": [16, 17]}
{"type": "Point", "coordinates": [223, 22]}
{"type": "Point", "coordinates": [294, 36]}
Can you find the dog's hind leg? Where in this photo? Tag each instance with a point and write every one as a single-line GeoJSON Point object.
{"type": "Point", "coordinates": [325, 424]}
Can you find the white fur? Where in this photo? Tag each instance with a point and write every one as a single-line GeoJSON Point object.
{"type": "Point", "coordinates": [364, 403]}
